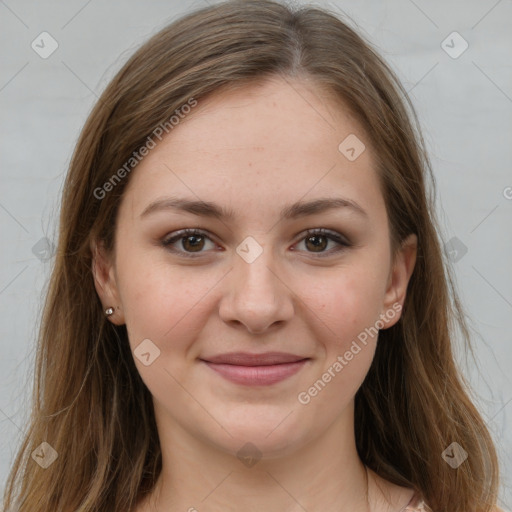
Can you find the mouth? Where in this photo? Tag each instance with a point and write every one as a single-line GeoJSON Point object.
{"type": "Point", "coordinates": [256, 369]}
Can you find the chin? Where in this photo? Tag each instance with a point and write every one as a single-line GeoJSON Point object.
{"type": "Point", "coordinates": [265, 437]}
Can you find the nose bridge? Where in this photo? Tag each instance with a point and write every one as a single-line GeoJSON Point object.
{"type": "Point", "coordinates": [255, 276]}
{"type": "Point", "coordinates": [257, 296]}
{"type": "Point", "coordinates": [258, 276]}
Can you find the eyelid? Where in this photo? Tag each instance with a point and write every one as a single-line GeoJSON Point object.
{"type": "Point", "coordinates": [176, 236]}
{"type": "Point", "coordinates": [331, 235]}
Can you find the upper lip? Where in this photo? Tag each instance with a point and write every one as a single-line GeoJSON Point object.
{"type": "Point", "coordinates": [248, 359]}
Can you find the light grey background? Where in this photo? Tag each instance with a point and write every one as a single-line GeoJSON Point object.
{"type": "Point", "coordinates": [464, 104]}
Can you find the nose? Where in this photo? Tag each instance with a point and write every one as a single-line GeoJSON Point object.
{"type": "Point", "coordinates": [257, 295]}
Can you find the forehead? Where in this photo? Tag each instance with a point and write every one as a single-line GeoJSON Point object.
{"type": "Point", "coordinates": [273, 141]}
{"type": "Point", "coordinates": [300, 112]}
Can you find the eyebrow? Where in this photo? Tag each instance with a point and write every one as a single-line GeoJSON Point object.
{"type": "Point", "coordinates": [293, 211]}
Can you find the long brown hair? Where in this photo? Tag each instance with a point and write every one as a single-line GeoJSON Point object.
{"type": "Point", "coordinates": [90, 404]}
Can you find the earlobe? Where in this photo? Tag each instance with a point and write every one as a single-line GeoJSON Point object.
{"type": "Point", "coordinates": [399, 278]}
{"type": "Point", "coordinates": [105, 283]}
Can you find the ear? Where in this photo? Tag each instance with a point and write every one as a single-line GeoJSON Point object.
{"type": "Point", "coordinates": [105, 281]}
{"type": "Point", "coordinates": [398, 280]}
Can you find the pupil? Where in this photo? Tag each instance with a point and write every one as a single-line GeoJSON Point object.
{"type": "Point", "coordinates": [194, 243]}
{"type": "Point", "coordinates": [317, 245]}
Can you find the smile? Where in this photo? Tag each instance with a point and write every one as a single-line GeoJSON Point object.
{"type": "Point", "coordinates": [256, 369]}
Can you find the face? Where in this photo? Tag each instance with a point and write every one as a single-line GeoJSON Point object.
{"type": "Point", "coordinates": [311, 283]}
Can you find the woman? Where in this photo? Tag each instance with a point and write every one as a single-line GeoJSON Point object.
{"type": "Point", "coordinates": [249, 308]}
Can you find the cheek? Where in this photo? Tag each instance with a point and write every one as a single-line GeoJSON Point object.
{"type": "Point", "coordinates": [347, 301]}
{"type": "Point", "coordinates": [347, 307]}
{"type": "Point", "coordinates": [168, 308]}
{"type": "Point", "coordinates": [162, 303]}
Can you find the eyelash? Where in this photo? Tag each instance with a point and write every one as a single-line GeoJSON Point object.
{"type": "Point", "coordinates": [184, 233]}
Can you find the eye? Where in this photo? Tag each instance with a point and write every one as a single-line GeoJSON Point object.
{"type": "Point", "coordinates": [318, 239]}
{"type": "Point", "coordinates": [193, 241]}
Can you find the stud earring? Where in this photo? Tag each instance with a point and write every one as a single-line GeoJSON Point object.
{"type": "Point", "coordinates": [109, 311]}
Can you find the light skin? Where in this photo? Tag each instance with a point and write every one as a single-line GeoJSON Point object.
{"type": "Point", "coordinates": [254, 151]}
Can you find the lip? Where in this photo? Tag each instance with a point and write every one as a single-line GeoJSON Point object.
{"type": "Point", "coordinates": [256, 369]}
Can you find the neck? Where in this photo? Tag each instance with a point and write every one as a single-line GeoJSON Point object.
{"type": "Point", "coordinates": [324, 474]}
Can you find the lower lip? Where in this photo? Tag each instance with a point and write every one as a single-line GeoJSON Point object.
{"type": "Point", "coordinates": [257, 375]}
